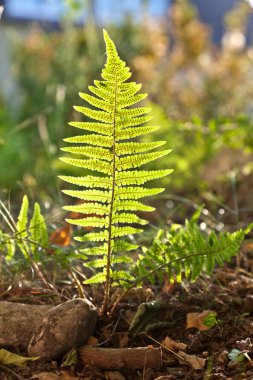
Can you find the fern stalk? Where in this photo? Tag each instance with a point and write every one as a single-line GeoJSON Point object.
{"type": "Point", "coordinates": [108, 264]}
{"type": "Point", "coordinates": [112, 198]}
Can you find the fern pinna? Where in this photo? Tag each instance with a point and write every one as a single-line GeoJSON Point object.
{"type": "Point", "coordinates": [113, 196]}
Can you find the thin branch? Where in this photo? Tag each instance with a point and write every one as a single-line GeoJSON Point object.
{"type": "Point", "coordinates": [7, 369]}
{"type": "Point", "coordinates": [77, 282]}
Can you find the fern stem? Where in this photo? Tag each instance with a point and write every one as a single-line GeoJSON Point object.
{"type": "Point", "coordinates": [108, 263]}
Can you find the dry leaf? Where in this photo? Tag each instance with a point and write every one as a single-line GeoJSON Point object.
{"type": "Point", "coordinates": [247, 246]}
{"type": "Point", "coordinates": [173, 345]}
{"type": "Point", "coordinates": [62, 236]}
{"type": "Point", "coordinates": [199, 320]}
{"type": "Point", "coordinates": [45, 376]}
{"type": "Point", "coordinates": [195, 361]}
{"type": "Point", "coordinates": [245, 345]}
{"type": "Point", "coordinates": [92, 341]}
{"type": "Point", "coordinates": [66, 375]}
{"type": "Point", "coordinates": [168, 285]}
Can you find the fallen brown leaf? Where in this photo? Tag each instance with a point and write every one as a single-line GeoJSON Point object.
{"type": "Point", "coordinates": [168, 285]}
{"type": "Point", "coordinates": [67, 375]}
{"type": "Point", "coordinates": [197, 320]}
{"type": "Point", "coordinates": [92, 341]}
{"type": "Point", "coordinates": [195, 361]}
{"type": "Point", "coordinates": [64, 375]}
{"type": "Point", "coordinates": [173, 345]}
{"type": "Point", "coordinates": [45, 376]}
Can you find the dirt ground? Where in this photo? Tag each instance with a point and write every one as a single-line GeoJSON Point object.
{"type": "Point", "coordinates": [229, 293]}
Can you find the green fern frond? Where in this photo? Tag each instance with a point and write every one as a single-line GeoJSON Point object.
{"type": "Point", "coordinates": [188, 251]}
{"type": "Point", "coordinates": [22, 222]}
{"type": "Point", "coordinates": [29, 237]}
{"type": "Point", "coordinates": [114, 120]}
{"type": "Point", "coordinates": [21, 227]}
{"type": "Point", "coordinates": [37, 227]}
{"type": "Point", "coordinates": [38, 231]}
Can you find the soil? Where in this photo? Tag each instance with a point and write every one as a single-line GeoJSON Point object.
{"type": "Point", "coordinates": [229, 293]}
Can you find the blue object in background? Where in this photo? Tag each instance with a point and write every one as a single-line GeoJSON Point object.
{"type": "Point", "coordinates": [105, 10]}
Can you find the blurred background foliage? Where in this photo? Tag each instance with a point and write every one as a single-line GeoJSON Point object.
{"type": "Point", "coordinates": [201, 96]}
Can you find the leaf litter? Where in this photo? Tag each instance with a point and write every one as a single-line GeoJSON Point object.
{"type": "Point", "coordinates": [205, 351]}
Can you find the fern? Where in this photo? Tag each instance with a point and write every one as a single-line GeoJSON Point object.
{"type": "Point", "coordinates": [186, 250]}
{"type": "Point", "coordinates": [38, 232]}
{"type": "Point", "coordinates": [29, 237]}
{"type": "Point", "coordinates": [114, 195]}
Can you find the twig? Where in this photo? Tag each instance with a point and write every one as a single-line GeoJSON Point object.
{"type": "Point", "coordinates": [7, 369]}
{"type": "Point", "coordinates": [77, 282]}
{"type": "Point", "coordinates": [164, 347]}
{"type": "Point", "coordinates": [235, 197]}
{"type": "Point", "coordinates": [113, 331]}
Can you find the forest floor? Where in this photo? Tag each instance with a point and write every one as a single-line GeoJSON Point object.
{"type": "Point", "coordinates": [228, 293]}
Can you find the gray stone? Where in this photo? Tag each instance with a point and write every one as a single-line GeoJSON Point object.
{"type": "Point", "coordinates": [65, 326]}
{"type": "Point", "coordinates": [18, 321]}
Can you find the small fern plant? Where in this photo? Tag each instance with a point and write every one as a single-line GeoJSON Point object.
{"type": "Point", "coordinates": [112, 198]}
{"type": "Point", "coordinates": [189, 251]}
{"type": "Point", "coordinates": [28, 237]}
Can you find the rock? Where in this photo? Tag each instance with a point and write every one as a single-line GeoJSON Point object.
{"type": "Point", "coordinates": [18, 321]}
{"type": "Point", "coordinates": [65, 326]}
